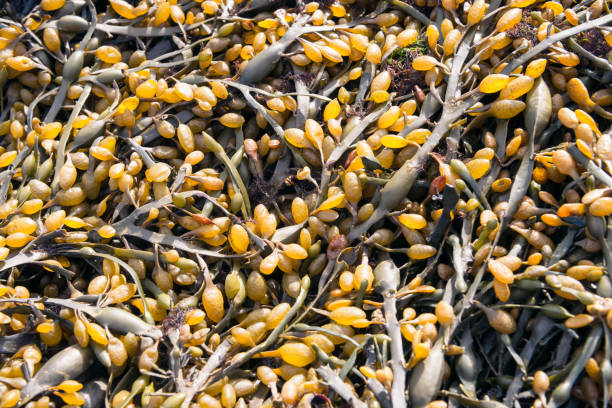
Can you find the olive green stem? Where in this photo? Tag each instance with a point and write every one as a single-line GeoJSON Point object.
{"type": "Point", "coordinates": [7, 175]}
{"type": "Point", "coordinates": [123, 253]}
{"type": "Point", "coordinates": [212, 363]}
{"type": "Point", "coordinates": [350, 362]}
{"type": "Point", "coordinates": [401, 182]}
{"type": "Point", "coordinates": [590, 165]}
{"type": "Point", "coordinates": [473, 402]}
{"type": "Point", "coordinates": [90, 252]}
{"type": "Point", "coordinates": [341, 266]}
{"type": "Point", "coordinates": [606, 365]}
{"type": "Point", "coordinates": [340, 387]}
{"type": "Point", "coordinates": [458, 263]}
{"type": "Point", "coordinates": [542, 327]}
{"type": "Point", "coordinates": [66, 364]}
{"type": "Point", "coordinates": [274, 335]}
{"type": "Point", "coordinates": [361, 293]}
{"type": "Point", "coordinates": [66, 132]}
{"type": "Point", "coordinates": [305, 327]}
{"type": "Point", "coordinates": [543, 45]}
{"type": "Point", "coordinates": [562, 392]}
{"type": "Point", "coordinates": [258, 241]}
{"type": "Point", "coordinates": [219, 152]}
{"type": "Point", "coordinates": [350, 139]}
{"type": "Point", "coordinates": [278, 129]}
{"type": "Point", "coordinates": [132, 31]}
{"type": "Point", "coordinates": [74, 58]}
{"type": "Point", "coordinates": [398, 361]}
{"type": "Point", "coordinates": [483, 237]}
